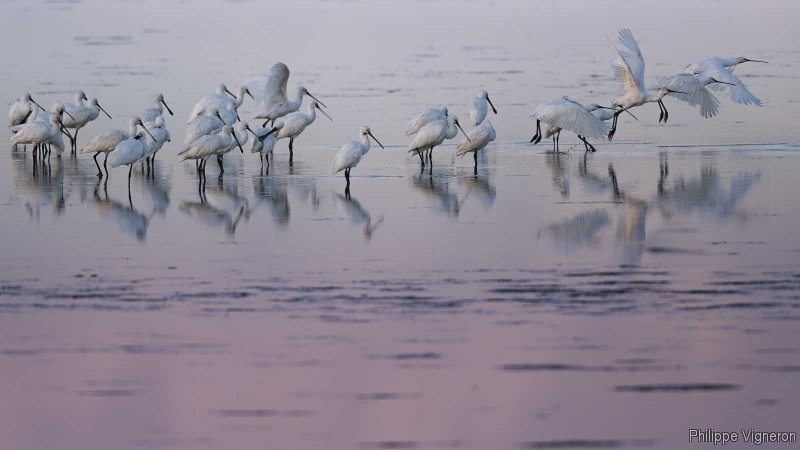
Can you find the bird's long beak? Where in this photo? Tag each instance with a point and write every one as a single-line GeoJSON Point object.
{"type": "Point", "coordinates": [323, 112]}
{"type": "Point", "coordinates": [237, 141]}
{"type": "Point", "coordinates": [236, 113]}
{"type": "Point", "coordinates": [165, 106]}
{"type": "Point", "coordinates": [148, 132]}
{"type": "Point", "coordinates": [40, 106]}
{"type": "Point", "coordinates": [462, 130]}
{"type": "Point", "coordinates": [490, 104]}
{"type": "Point", "coordinates": [315, 98]}
{"type": "Point", "coordinates": [261, 138]}
{"type": "Point", "coordinates": [220, 118]}
{"type": "Point", "coordinates": [376, 140]}
{"type": "Point", "coordinates": [628, 111]}
{"type": "Point", "coordinates": [247, 91]}
{"type": "Point", "coordinates": [755, 60]}
{"type": "Point", "coordinates": [230, 93]}
{"type": "Point", "coordinates": [65, 112]}
{"type": "Point", "coordinates": [104, 111]}
{"type": "Point", "coordinates": [713, 80]}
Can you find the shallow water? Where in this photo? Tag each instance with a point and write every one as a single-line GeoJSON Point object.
{"type": "Point", "coordinates": [610, 300]}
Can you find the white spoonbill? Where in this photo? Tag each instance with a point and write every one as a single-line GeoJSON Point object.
{"type": "Point", "coordinates": [240, 130]}
{"type": "Point", "coordinates": [155, 109]}
{"type": "Point", "coordinates": [21, 109]}
{"type": "Point", "coordinates": [219, 102]}
{"type": "Point", "coordinates": [128, 152]}
{"type": "Point", "coordinates": [206, 146]}
{"type": "Point", "coordinates": [211, 123]}
{"type": "Point", "coordinates": [36, 132]}
{"type": "Point", "coordinates": [478, 108]}
{"type": "Point", "coordinates": [479, 138]}
{"type": "Point", "coordinates": [108, 141]}
{"type": "Point", "coordinates": [80, 116]}
{"type": "Point", "coordinates": [569, 115]}
{"type": "Point", "coordinates": [216, 99]}
{"type": "Point", "coordinates": [229, 114]}
{"type": "Point", "coordinates": [295, 123]}
{"type": "Point", "coordinates": [434, 134]}
{"type": "Point", "coordinates": [273, 102]}
{"type": "Point", "coordinates": [425, 117]}
{"type": "Point", "coordinates": [160, 135]}
{"type": "Point", "coordinates": [351, 153]}
{"type": "Point", "coordinates": [718, 73]}
{"type": "Point", "coordinates": [265, 142]}
{"type": "Point", "coordinates": [629, 72]}
{"type": "Point", "coordinates": [695, 93]}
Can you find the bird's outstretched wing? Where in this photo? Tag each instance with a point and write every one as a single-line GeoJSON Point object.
{"type": "Point", "coordinates": [255, 85]}
{"type": "Point", "coordinates": [571, 116]}
{"type": "Point", "coordinates": [633, 56]}
{"type": "Point", "coordinates": [275, 87]}
{"type": "Point", "coordinates": [695, 93]}
{"type": "Point", "coordinates": [739, 92]}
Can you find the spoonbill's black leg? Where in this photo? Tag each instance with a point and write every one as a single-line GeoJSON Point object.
{"type": "Point", "coordinates": [99, 172]}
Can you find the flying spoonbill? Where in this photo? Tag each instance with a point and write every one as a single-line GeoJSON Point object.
{"type": "Point", "coordinates": [718, 73]}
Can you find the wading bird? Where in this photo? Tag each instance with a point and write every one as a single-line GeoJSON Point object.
{"type": "Point", "coordinates": [36, 133]}
{"type": "Point", "coordinates": [718, 74]}
{"type": "Point", "coordinates": [477, 139]}
{"type": "Point", "coordinates": [240, 130]}
{"type": "Point", "coordinates": [80, 116]}
{"type": "Point", "coordinates": [295, 123]}
{"type": "Point", "coordinates": [272, 100]}
{"type": "Point", "coordinates": [434, 134]}
{"type": "Point", "coordinates": [155, 110]}
{"type": "Point", "coordinates": [108, 141]}
{"type": "Point", "coordinates": [425, 117]}
{"type": "Point", "coordinates": [21, 110]}
{"type": "Point", "coordinates": [217, 100]}
{"type": "Point", "coordinates": [478, 108]}
{"type": "Point", "coordinates": [220, 102]}
{"type": "Point", "coordinates": [351, 153]}
{"type": "Point", "coordinates": [211, 123]}
{"type": "Point", "coordinates": [567, 114]}
{"type": "Point", "coordinates": [206, 146]}
{"type": "Point", "coordinates": [265, 142]}
{"type": "Point", "coordinates": [629, 72]}
{"type": "Point", "coordinates": [160, 135]}
{"type": "Point", "coordinates": [128, 152]}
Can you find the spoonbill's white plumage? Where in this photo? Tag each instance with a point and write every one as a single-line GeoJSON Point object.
{"type": "Point", "coordinates": [211, 123]}
{"type": "Point", "coordinates": [567, 114]}
{"type": "Point", "coordinates": [21, 110]}
{"type": "Point", "coordinates": [688, 88]}
{"type": "Point", "coordinates": [718, 74]}
{"type": "Point", "coordinates": [108, 141]}
{"type": "Point", "coordinates": [351, 153]}
{"type": "Point", "coordinates": [229, 114]}
{"type": "Point", "coordinates": [479, 107]}
{"type": "Point", "coordinates": [79, 116]}
{"type": "Point", "coordinates": [425, 117]}
{"type": "Point", "coordinates": [265, 141]}
{"type": "Point", "coordinates": [273, 102]}
{"type": "Point", "coordinates": [479, 138]}
{"type": "Point", "coordinates": [156, 109]}
{"type": "Point", "coordinates": [240, 130]}
{"type": "Point", "coordinates": [159, 136]}
{"type": "Point", "coordinates": [434, 134]}
{"type": "Point", "coordinates": [80, 98]}
{"type": "Point", "coordinates": [206, 146]}
{"type": "Point", "coordinates": [217, 100]}
{"type": "Point", "coordinates": [128, 152]}
{"type": "Point", "coordinates": [36, 132]}
{"type": "Point", "coordinates": [295, 123]}
{"type": "Point", "coordinates": [629, 72]}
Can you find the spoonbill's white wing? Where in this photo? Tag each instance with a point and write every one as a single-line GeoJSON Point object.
{"type": "Point", "coordinates": [256, 86]}
{"type": "Point", "coordinates": [275, 86]}
{"type": "Point", "coordinates": [422, 119]}
{"type": "Point", "coordinates": [573, 117]}
{"type": "Point", "coordinates": [739, 92]}
{"type": "Point", "coordinates": [17, 113]}
{"type": "Point", "coordinates": [348, 157]}
{"type": "Point", "coordinates": [477, 110]}
{"type": "Point", "coordinates": [480, 137]}
{"type": "Point", "coordinates": [203, 126]}
{"type": "Point", "coordinates": [106, 142]}
{"type": "Point", "coordinates": [293, 124]}
{"type": "Point", "coordinates": [695, 92]}
{"type": "Point", "coordinates": [430, 135]}
{"type": "Point", "coordinates": [203, 146]}
{"type": "Point", "coordinates": [603, 114]}
{"type": "Point", "coordinates": [633, 56]}
{"type": "Point", "coordinates": [127, 152]}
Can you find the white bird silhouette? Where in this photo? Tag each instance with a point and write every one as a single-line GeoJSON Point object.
{"type": "Point", "coordinates": [434, 134]}
{"type": "Point", "coordinates": [425, 117]}
{"type": "Point", "coordinates": [79, 116]}
{"type": "Point", "coordinates": [567, 114]}
{"type": "Point", "coordinates": [217, 100]}
{"type": "Point", "coordinates": [478, 108]}
{"type": "Point", "coordinates": [351, 153]}
{"type": "Point", "coordinates": [265, 142]}
{"type": "Point", "coordinates": [271, 94]}
{"type": "Point", "coordinates": [295, 123]}
{"type": "Point", "coordinates": [718, 73]}
{"type": "Point", "coordinates": [478, 138]}
{"type": "Point", "coordinates": [108, 141]}
{"type": "Point", "coordinates": [155, 110]}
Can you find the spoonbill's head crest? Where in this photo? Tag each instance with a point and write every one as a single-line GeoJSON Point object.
{"type": "Point", "coordinates": [303, 91]}
{"type": "Point", "coordinates": [160, 97]}
{"type": "Point", "coordinates": [483, 94]}
{"type": "Point", "coordinates": [442, 109]}
{"type": "Point", "coordinates": [136, 121]}
{"type": "Point", "coordinates": [93, 101]}
{"type": "Point", "coordinates": [26, 97]}
{"type": "Point", "coordinates": [213, 111]}
{"type": "Point", "coordinates": [159, 123]}
{"type": "Point", "coordinates": [365, 130]}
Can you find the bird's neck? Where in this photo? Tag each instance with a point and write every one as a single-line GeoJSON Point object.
{"type": "Point", "coordinates": [132, 128]}
{"type": "Point", "coordinates": [366, 143]}
{"type": "Point", "coordinates": [298, 98]}
{"type": "Point", "coordinates": [239, 99]}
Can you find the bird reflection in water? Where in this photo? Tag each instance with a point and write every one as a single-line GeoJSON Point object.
{"type": "Point", "coordinates": [39, 183]}
{"type": "Point", "coordinates": [579, 231]}
{"type": "Point", "coordinates": [128, 220]}
{"type": "Point", "coordinates": [352, 210]}
{"type": "Point", "coordinates": [155, 190]}
{"type": "Point", "coordinates": [272, 193]}
{"type": "Point", "coordinates": [436, 190]}
{"type": "Point", "coordinates": [556, 162]}
{"type": "Point", "coordinates": [218, 208]}
{"type": "Point", "coordinates": [480, 187]}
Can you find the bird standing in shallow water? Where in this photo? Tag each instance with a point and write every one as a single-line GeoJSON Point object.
{"type": "Point", "coordinates": [350, 155]}
{"type": "Point", "coordinates": [477, 139]}
{"type": "Point", "coordinates": [296, 123]}
{"type": "Point", "coordinates": [271, 94]}
{"type": "Point", "coordinates": [569, 115]}
{"type": "Point", "coordinates": [80, 116]}
{"type": "Point", "coordinates": [425, 117]}
{"type": "Point", "coordinates": [155, 110]}
{"type": "Point", "coordinates": [265, 142]}
{"type": "Point", "coordinates": [434, 134]}
{"type": "Point", "coordinates": [128, 152]}
{"type": "Point", "coordinates": [108, 141]}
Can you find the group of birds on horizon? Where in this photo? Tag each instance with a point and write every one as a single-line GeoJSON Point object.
{"type": "Point", "coordinates": [215, 127]}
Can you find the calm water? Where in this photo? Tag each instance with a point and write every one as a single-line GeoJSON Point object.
{"type": "Point", "coordinates": [614, 300]}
